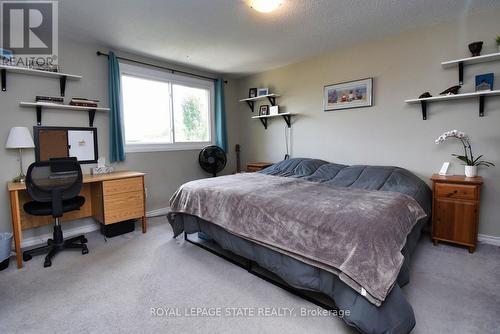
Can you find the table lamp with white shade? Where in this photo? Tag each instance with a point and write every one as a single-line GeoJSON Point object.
{"type": "Point", "coordinates": [20, 137]}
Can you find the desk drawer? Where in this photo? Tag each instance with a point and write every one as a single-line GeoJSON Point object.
{"type": "Point", "coordinates": [122, 186]}
{"type": "Point", "coordinates": [119, 207]}
{"type": "Point", "coordinates": [459, 191]}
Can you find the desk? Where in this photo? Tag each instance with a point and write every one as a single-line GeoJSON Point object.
{"type": "Point", "coordinates": [109, 198]}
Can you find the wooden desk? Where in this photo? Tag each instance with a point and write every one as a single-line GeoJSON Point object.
{"type": "Point", "coordinates": [109, 198]}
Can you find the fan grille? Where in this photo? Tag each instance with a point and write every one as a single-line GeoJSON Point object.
{"type": "Point", "coordinates": [212, 159]}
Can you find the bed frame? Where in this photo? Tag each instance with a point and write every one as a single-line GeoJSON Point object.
{"type": "Point", "coordinates": [253, 268]}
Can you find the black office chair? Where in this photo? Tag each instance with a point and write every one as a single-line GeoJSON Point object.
{"type": "Point", "coordinates": [54, 186]}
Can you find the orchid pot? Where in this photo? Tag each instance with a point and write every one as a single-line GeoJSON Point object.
{"type": "Point", "coordinates": [471, 171]}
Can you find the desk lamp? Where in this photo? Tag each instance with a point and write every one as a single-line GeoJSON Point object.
{"type": "Point", "coordinates": [19, 137]}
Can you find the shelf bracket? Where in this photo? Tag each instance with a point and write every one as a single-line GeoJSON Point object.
{"type": "Point", "coordinates": [38, 115]}
{"type": "Point", "coordinates": [424, 109]}
{"type": "Point", "coordinates": [4, 79]}
{"type": "Point", "coordinates": [264, 122]}
{"type": "Point", "coordinates": [272, 100]}
{"type": "Point", "coordinates": [62, 84]}
{"type": "Point", "coordinates": [481, 106]}
{"type": "Point", "coordinates": [91, 117]}
{"type": "Point", "coordinates": [250, 104]}
{"type": "Point", "coordinates": [288, 119]}
{"type": "Point", "coordinates": [460, 73]}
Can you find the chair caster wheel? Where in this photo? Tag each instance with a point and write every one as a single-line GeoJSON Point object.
{"type": "Point", "coordinates": [84, 240]}
{"type": "Point", "coordinates": [47, 263]}
{"type": "Point", "coordinates": [85, 250]}
{"type": "Point", "coordinates": [27, 257]}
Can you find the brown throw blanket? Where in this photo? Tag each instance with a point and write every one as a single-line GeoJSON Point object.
{"type": "Point", "coordinates": [356, 234]}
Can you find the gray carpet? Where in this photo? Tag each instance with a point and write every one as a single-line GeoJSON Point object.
{"type": "Point", "coordinates": [112, 290]}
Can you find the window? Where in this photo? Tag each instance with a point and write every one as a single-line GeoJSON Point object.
{"type": "Point", "coordinates": [163, 111]}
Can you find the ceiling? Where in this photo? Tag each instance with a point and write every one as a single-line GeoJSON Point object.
{"type": "Point", "coordinates": [227, 36]}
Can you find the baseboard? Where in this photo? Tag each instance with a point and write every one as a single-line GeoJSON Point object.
{"type": "Point", "coordinates": [158, 212]}
{"type": "Point", "coordinates": [489, 239]}
{"type": "Point", "coordinates": [90, 226]}
{"type": "Point", "coordinates": [68, 233]}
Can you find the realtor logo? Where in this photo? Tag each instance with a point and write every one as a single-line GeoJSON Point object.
{"type": "Point", "coordinates": [30, 31]}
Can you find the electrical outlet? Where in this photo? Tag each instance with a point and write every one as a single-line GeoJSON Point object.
{"type": "Point", "coordinates": [146, 192]}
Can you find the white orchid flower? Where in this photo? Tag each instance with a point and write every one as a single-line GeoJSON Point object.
{"type": "Point", "coordinates": [468, 157]}
{"type": "Point", "coordinates": [454, 134]}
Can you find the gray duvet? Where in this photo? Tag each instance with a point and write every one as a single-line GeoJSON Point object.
{"type": "Point", "coordinates": [395, 314]}
{"type": "Point", "coordinates": [355, 233]}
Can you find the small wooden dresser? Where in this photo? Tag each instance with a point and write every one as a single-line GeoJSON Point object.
{"type": "Point", "coordinates": [455, 209]}
{"type": "Point", "coordinates": [257, 166]}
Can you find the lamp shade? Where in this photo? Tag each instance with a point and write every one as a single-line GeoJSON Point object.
{"type": "Point", "coordinates": [19, 137]}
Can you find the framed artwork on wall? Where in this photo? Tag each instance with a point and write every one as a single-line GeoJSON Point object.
{"type": "Point", "coordinates": [347, 95]}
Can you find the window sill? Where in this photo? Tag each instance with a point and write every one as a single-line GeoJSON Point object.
{"type": "Point", "coordinates": [144, 148]}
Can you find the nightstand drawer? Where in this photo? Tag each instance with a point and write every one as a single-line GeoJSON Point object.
{"type": "Point", "coordinates": [122, 186]}
{"type": "Point", "coordinates": [459, 191]}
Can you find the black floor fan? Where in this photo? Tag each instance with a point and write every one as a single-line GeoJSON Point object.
{"type": "Point", "coordinates": [212, 159]}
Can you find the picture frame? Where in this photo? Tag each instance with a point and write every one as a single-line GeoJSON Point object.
{"type": "Point", "coordinates": [348, 95]}
{"type": "Point", "coordinates": [444, 168]}
{"type": "Point", "coordinates": [263, 91]}
{"type": "Point", "coordinates": [274, 110]}
{"type": "Point", "coordinates": [484, 82]}
{"type": "Point", "coordinates": [264, 110]}
{"type": "Point", "coordinates": [252, 92]}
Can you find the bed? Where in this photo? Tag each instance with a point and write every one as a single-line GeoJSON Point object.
{"type": "Point", "coordinates": [357, 251]}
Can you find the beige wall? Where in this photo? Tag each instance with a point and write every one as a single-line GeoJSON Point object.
{"type": "Point", "coordinates": [166, 170]}
{"type": "Point", "coordinates": [391, 132]}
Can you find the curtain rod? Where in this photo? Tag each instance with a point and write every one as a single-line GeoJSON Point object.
{"type": "Point", "coordinates": [99, 53]}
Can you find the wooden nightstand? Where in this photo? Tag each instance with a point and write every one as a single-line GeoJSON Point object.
{"type": "Point", "coordinates": [256, 166]}
{"type": "Point", "coordinates": [455, 209]}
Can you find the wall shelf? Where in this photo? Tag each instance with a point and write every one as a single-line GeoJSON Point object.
{"type": "Point", "coordinates": [469, 61]}
{"type": "Point", "coordinates": [63, 77]}
{"type": "Point", "coordinates": [251, 100]}
{"type": "Point", "coordinates": [481, 95]}
{"type": "Point", "coordinates": [286, 116]}
{"type": "Point", "coordinates": [40, 105]}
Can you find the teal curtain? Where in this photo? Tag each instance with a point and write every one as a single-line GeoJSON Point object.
{"type": "Point", "coordinates": [220, 116]}
{"type": "Point", "coordinates": [116, 149]}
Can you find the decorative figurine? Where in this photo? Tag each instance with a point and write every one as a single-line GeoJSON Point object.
{"type": "Point", "coordinates": [453, 90]}
{"type": "Point", "coordinates": [475, 48]}
{"type": "Point", "coordinates": [425, 95]}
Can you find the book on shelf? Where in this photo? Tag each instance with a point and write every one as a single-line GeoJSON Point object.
{"type": "Point", "coordinates": [83, 99]}
{"type": "Point", "coordinates": [49, 99]}
{"type": "Point", "coordinates": [83, 102]}
{"type": "Point", "coordinates": [45, 68]}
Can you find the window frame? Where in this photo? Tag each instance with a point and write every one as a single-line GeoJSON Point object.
{"type": "Point", "coordinates": [144, 72]}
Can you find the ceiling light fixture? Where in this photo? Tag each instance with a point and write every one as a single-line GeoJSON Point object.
{"type": "Point", "coordinates": [265, 6]}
